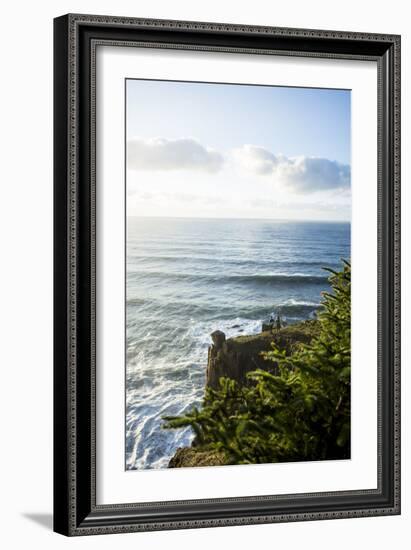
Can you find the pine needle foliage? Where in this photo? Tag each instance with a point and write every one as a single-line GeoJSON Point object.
{"type": "Point", "coordinates": [301, 413]}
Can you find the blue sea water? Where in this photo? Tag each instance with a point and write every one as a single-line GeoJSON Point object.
{"type": "Point", "coordinates": [188, 277]}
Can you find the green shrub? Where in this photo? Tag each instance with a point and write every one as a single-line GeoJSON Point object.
{"type": "Point", "coordinates": [303, 413]}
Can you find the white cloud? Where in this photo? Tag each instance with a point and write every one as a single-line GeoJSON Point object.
{"type": "Point", "coordinates": [172, 154]}
{"type": "Point", "coordinates": [300, 173]}
{"type": "Point", "coordinates": [255, 160]}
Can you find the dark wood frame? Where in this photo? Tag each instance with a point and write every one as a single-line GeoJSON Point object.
{"type": "Point", "coordinates": [75, 40]}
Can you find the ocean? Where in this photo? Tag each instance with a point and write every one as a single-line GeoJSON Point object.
{"type": "Point", "coordinates": [189, 277]}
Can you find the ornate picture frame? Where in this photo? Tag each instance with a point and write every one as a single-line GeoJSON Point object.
{"type": "Point", "coordinates": [76, 40]}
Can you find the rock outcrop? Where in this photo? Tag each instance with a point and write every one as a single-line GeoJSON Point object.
{"type": "Point", "coordinates": [218, 338]}
{"type": "Point", "coordinates": [235, 357]}
{"type": "Point", "coordinates": [189, 457]}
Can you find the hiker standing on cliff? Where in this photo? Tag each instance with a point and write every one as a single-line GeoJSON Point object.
{"type": "Point", "coordinates": [278, 322]}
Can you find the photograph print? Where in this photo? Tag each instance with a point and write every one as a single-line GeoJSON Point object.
{"type": "Point", "coordinates": [238, 274]}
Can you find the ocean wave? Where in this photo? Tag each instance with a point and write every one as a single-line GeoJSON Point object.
{"type": "Point", "coordinates": [143, 258]}
{"type": "Point", "coordinates": [223, 312]}
{"type": "Point", "coordinates": [255, 278]}
{"type": "Point", "coordinates": [288, 278]}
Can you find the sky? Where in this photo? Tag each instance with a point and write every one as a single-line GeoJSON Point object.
{"type": "Point", "coordinates": [237, 151]}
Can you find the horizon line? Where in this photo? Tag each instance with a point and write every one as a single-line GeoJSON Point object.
{"type": "Point", "coordinates": [235, 218]}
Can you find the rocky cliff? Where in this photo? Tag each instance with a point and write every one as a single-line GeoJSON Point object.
{"type": "Point", "coordinates": [234, 358]}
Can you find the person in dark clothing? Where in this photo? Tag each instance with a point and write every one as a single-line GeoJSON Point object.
{"type": "Point", "coordinates": [278, 322]}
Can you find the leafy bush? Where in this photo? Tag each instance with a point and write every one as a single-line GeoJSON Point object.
{"type": "Point", "coordinates": [303, 412]}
